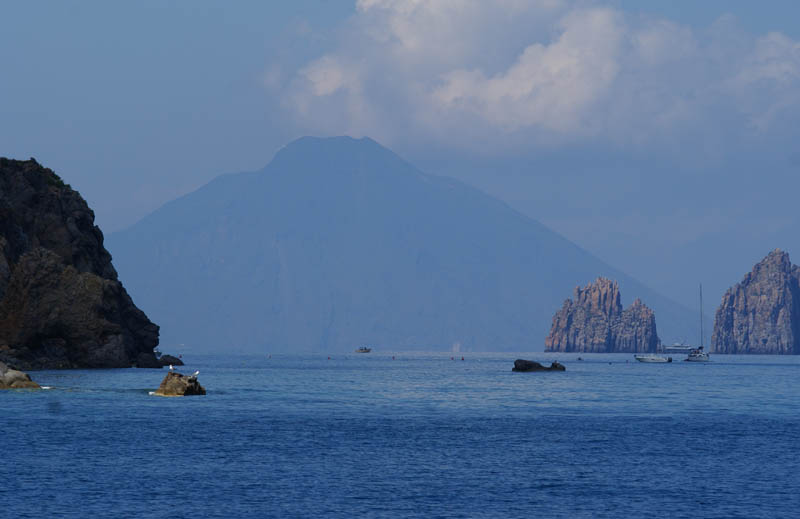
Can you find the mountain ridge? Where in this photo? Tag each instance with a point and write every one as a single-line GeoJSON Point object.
{"type": "Point", "coordinates": [359, 245]}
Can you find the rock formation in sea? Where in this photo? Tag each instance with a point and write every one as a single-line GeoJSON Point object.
{"type": "Point", "coordinates": [761, 314]}
{"type": "Point", "coordinates": [178, 384]}
{"type": "Point", "coordinates": [167, 360]}
{"type": "Point", "coordinates": [530, 365]}
{"type": "Point", "coordinates": [13, 379]}
{"type": "Point", "coordinates": [61, 304]}
{"type": "Point", "coordinates": [594, 322]}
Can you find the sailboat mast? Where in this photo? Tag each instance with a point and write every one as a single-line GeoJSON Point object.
{"type": "Point", "coordinates": [701, 315]}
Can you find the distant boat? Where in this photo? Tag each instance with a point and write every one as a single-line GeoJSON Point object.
{"type": "Point", "coordinates": [699, 354]}
{"type": "Point", "coordinates": [363, 349]}
{"type": "Point", "coordinates": [677, 348]}
{"type": "Point", "coordinates": [652, 357]}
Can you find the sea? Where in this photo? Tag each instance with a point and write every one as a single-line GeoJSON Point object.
{"type": "Point", "coordinates": [393, 434]}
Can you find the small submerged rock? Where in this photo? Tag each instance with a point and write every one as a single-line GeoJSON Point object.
{"type": "Point", "coordinates": [13, 379]}
{"type": "Point", "coordinates": [169, 360]}
{"type": "Point", "coordinates": [529, 365]}
{"type": "Point", "coordinates": [177, 384]}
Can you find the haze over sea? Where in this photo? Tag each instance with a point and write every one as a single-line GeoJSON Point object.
{"type": "Point", "coordinates": [417, 435]}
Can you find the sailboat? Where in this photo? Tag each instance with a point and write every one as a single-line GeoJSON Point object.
{"type": "Point", "coordinates": [699, 354]}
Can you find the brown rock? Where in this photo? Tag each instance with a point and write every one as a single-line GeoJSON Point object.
{"type": "Point", "coordinates": [762, 313]}
{"type": "Point", "coordinates": [13, 379]}
{"type": "Point", "coordinates": [61, 304]}
{"type": "Point", "coordinates": [594, 321]}
{"type": "Point", "coordinates": [176, 384]}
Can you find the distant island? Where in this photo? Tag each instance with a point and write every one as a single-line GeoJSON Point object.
{"type": "Point", "coordinates": [61, 304]}
{"type": "Point", "coordinates": [761, 314]}
{"type": "Point", "coordinates": [339, 242]}
{"type": "Point", "coordinates": [593, 321]}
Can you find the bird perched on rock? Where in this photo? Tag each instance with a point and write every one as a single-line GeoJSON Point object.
{"type": "Point", "coordinates": [171, 368]}
{"type": "Point", "coordinates": [194, 375]}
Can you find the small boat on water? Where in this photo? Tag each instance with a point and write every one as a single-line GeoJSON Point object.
{"type": "Point", "coordinates": [677, 348]}
{"type": "Point", "coordinates": [363, 349]}
{"type": "Point", "coordinates": [699, 354]}
{"type": "Point", "coordinates": [652, 357]}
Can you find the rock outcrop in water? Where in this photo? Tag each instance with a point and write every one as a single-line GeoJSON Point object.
{"type": "Point", "coordinates": [177, 384]}
{"type": "Point", "coordinates": [762, 313]}
{"type": "Point", "coordinates": [167, 360]}
{"type": "Point", "coordinates": [529, 365]}
{"type": "Point", "coordinates": [13, 379]}
{"type": "Point", "coordinates": [594, 322]}
{"type": "Point", "coordinates": [61, 304]}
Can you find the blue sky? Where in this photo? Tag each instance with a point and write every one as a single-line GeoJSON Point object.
{"type": "Point", "coordinates": [658, 135]}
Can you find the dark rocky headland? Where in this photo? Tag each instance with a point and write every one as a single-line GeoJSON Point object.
{"type": "Point", "coordinates": [61, 304]}
{"type": "Point", "coordinates": [594, 322]}
{"type": "Point", "coordinates": [761, 314]}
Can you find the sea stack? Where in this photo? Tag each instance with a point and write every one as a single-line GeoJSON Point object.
{"type": "Point", "coordinates": [61, 304]}
{"type": "Point", "coordinates": [761, 314]}
{"type": "Point", "coordinates": [178, 384]}
{"type": "Point", "coordinates": [594, 322]}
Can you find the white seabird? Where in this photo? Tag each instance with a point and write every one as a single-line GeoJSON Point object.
{"type": "Point", "coordinates": [196, 373]}
{"type": "Point", "coordinates": [170, 367]}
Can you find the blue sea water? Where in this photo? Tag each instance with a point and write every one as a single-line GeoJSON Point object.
{"type": "Point", "coordinates": [419, 435]}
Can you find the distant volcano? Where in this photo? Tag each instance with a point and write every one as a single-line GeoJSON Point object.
{"type": "Point", "coordinates": [339, 243]}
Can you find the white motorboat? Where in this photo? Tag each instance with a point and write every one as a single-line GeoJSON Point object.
{"type": "Point", "coordinates": [652, 357]}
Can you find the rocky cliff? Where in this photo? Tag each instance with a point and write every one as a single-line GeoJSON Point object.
{"type": "Point", "coordinates": [594, 321]}
{"type": "Point", "coordinates": [762, 313]}
{"type": "Point", "coordinates": [61, 304]}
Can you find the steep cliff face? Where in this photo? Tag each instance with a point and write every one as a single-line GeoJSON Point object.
{"type": "Point", "coordinates": [61, 305]}
{"type": "Point", "coordinates": [594, 322]}
{"type": "Point", "coordinates": [762, 313]}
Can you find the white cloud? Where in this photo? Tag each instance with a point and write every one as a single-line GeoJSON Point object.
{"type": "Point", "coordinates": [772, 69]}
{"type": "Point", "coordinates": [549, 86]}
{"type": "Point", "coordinates": [330, 74]}
{"type": "Point", "coordinates": [469, 72]}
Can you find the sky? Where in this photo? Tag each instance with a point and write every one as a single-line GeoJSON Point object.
{"type": "Point", "coordinates": [660, 136]}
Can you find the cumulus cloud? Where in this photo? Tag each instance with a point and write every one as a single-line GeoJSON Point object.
{"type": "Point", "coordinates": [469, 72]}
{"type": "Point", "coordinates": [549, 85]}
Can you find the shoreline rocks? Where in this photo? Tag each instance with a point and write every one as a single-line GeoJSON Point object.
{"type": "Point", "coordinates": [594, 322]}
{"type": "Point", "coordinates": [166, 360]}
{"type": "Point", "coordinates": [14, 379]}
{"type": "Point", "coordinates": [761, 314]}
{"type": "Point", "coordinates": [177, 384]}
{"type": "Point", "coordinates": [529, 365]}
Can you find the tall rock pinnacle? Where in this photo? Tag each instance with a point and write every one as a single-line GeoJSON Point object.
{"type": "Point", "coordinates": [594, 321]}
{"type": "Point", "coordinates": [762, 313]}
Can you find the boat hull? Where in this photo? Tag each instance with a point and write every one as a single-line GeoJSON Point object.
{"type": "Point", "coordinates": [655, 359]}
